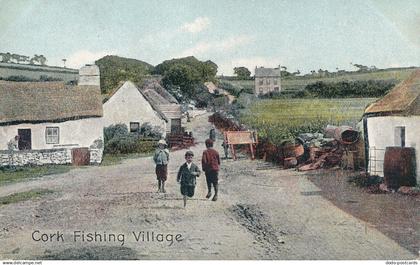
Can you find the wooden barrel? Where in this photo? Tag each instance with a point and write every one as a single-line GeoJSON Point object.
{"type": "Point", "coordinates": [400, 167]}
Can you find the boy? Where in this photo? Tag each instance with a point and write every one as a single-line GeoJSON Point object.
{"type": "Point", "coordinates": [161, 159]}
{"type": "Point", "coordinates": [187, 175]}
{"type": "Point", "coordinates": [210, 163]}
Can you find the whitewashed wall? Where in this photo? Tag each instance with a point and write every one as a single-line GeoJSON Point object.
{"type": "Point", "coordinates": [128, 105]}
{"type": "Point", "coordinates": [77, 133]}
{"type": "Point", "coordinates": [381, 133]}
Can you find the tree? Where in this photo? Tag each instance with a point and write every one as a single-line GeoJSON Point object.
{"type": "Point", "coordinates": [5, 57]}
{"type": "Point", "coordinates": [184, 77]}
{"type": "Point", "coordinates": [242, 73]}
{"type": "Point", "coordinates": [42, 60]}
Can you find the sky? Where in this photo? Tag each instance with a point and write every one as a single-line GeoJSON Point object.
{"type": "Point", "coordinates": [302, 35]}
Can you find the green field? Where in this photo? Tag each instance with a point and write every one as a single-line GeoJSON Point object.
{"type": "Point", "coordinates": [299, 82]}
{"type": "Point", "coordinates": [281, 119]}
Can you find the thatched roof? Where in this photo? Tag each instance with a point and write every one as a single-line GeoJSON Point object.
{"type": "Point", "coordinates": [34, 102]}
{"type": "Point", "coordinates": [403, 99]}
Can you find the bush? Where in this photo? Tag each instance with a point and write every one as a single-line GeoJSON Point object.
{"type": "Point", "coordinates": [119, 141]}
{"type": "Point", "coordinates": [147, 130]}
{"type": "Point", "coordinates": [123, 144]}
{"type": "Point", "coordinates": [232, 89]}
{"type": "Point", "coordinates": [116, 130]}
{"type": "Point", "coordinates": [343, 89]}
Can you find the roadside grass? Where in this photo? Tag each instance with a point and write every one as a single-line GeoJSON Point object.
{"type": "Point", "coordinates": [24, 196]}
{"type": "Point", "coordinates": [281, 119]}
{"type": "Point", "coordinates": [114, 159]}
{"type": "Point", "coordinates": [15, 174]}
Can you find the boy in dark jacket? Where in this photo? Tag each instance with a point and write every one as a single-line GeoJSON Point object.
{"type": "Point", "coordinates": [187, 175]}
{"type": "Point", "coordinates": [210, 163]}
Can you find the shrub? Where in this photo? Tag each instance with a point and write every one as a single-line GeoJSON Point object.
{"type": "Point", "coordinates": [147, 130]}
{"type": "Point", "coordinates": [115, 130]}
{"type": "Point", "coordinates": [123, 144]}
{"type": "Point", "coordinates": [119, 141]}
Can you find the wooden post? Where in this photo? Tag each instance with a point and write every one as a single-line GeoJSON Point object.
{"type": "Point", "coordinates": [232, 148]}
{"type": "Point", "coordinates": [252, 151]}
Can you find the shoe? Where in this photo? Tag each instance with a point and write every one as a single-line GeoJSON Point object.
{"type": "Point", "coordinates": [208, 195]}
{"type": "Point", "coordinates": [214, 198]}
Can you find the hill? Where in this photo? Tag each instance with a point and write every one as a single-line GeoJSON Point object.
{"type": "Point", "coordinates": [115, 69]}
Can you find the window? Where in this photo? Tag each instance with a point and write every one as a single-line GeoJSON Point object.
{"type": "Point", "coordinates": [275, 81]}
{"type": "Point", "coordinates": [399, 136]}
{"type": "Point", "coordinates": [261, 82]}
{"type": "Point", "coordinates": [52, 135]}
{"type": "Point", "coordinates": [276, 89]}
{"type": "Point", "coordinates": [267, 81]}
{"type": "Point", "coordinates": [134, 126]}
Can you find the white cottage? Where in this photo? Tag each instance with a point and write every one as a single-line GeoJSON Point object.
{"type": "Point", "coordinates": [129, 106]}
{"type": "Point", "coordinates": [393, 120]}
{"type": "Point", "coordinates": [50, 122]}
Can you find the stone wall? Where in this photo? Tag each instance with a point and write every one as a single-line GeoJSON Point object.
{"type": "Point", "coordinates": [96, 156]}
{"type": "Point", "coordinates": [35, 157]}
{"type": "Point", "coordinates": [44, 157]}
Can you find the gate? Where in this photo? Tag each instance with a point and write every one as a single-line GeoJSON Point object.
{"type": "Point", "coordinates": [80, 156]}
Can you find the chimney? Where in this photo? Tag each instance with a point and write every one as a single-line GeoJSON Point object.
{"type": "Point", "coordinates": [89, 75]}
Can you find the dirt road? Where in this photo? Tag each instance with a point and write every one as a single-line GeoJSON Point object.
{"type": "Point", "coordinates": [262, 213]}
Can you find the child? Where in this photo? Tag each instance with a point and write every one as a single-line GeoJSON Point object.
{"type": "Point", "coordinates": [211, 163]}
{"type": "Point", "coordinates": [161, 159]}
{"type": "Point", "coordinates": [187, 175]}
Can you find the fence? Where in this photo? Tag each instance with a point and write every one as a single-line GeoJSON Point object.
{"type": "Point", "coordinates": [376, 160]}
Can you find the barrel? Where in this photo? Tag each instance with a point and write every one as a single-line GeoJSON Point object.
{"type": "Point", "coordinates": [400, 167]}
{"type": "Point", "coordinates": [344, 134]}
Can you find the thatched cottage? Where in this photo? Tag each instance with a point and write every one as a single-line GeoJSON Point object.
{"type": "Point", "coordinates": [127, 105]}
{"type": "Point", "coordinates": [393, 121]}
{"type": "Point", "coordinates": [165, 103]}
{"type": "Point", "coordinates": [50, 122]}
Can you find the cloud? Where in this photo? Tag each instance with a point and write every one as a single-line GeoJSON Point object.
{"type": "Point", "coordinates": [226, 67]}
{"type": "Point", "coordinates": [216, 46]}
{"type": "Point", "coordinates": [198, 25]}
{"type": "Point", "coordinates": [82, 57]}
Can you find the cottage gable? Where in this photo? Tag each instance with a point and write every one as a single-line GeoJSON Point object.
{"type": "Point", "coordinates": [128, 105]}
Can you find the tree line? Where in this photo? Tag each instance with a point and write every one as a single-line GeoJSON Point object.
{"type": "Point", "coordinates": [17, 58]}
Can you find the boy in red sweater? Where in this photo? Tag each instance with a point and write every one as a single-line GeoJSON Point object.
{"type": "Point", "coordinates": [210, 163]}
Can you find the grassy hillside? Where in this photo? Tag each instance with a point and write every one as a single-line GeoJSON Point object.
{"type": "Point", "coordinates": [299, 82]}
{"type": "Point", "coordinates": [115, 69]}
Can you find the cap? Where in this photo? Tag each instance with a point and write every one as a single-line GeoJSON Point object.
{"type": "Point", "coordinates": [162, 142]}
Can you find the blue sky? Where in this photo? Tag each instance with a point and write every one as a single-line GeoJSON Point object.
{"type": "Point", "coordinates": [302, 35]}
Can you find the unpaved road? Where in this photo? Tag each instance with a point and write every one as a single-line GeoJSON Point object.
{"type": "Point", "coordinates": [262, 213]}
